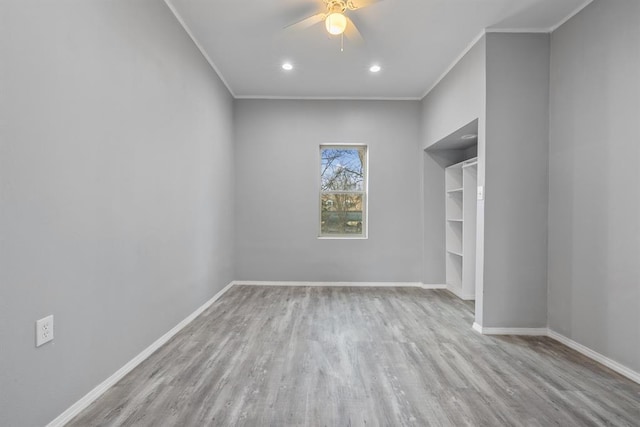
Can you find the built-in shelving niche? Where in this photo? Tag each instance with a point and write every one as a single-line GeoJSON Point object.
{"type": "Point", "coordinates": [457, 154]}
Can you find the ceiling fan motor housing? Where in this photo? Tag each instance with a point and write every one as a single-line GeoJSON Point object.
{"type": "Point", "coordinates": [336, 6]}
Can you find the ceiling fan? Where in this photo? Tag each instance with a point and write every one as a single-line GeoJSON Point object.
{"type": "Point", "coordinates": [335, 19]}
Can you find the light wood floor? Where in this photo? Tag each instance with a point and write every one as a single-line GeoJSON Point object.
{"type": "Point", "coordinates": [293, 356]}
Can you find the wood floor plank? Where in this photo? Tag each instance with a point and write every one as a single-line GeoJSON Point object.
{"type": "Point", "coordinates": [313, 356]}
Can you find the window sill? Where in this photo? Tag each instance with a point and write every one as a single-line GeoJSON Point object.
{"type": "Point", "coordinates": [343, 237]}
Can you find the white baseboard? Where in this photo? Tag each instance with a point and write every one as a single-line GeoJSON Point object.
{"type": "Point", "coordinates": [510, 331]}
{"type": "Point", "coordinates": [458, 292]}
{"type": "Point", "coordinates": [340, 284]}
{"type": "Point", "coordinates": [476, 327]}
{"type": "Point", "coordinates": [606, 361]}
{"type": "Point", "coordinates": [609, 363]}
{"type": "Point", "coordinates": [433, 286]}
{"type": "Point", "coordinates": [88, 398]}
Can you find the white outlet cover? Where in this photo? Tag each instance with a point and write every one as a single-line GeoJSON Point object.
{"type": "Point", "coordinates": [44, 330]}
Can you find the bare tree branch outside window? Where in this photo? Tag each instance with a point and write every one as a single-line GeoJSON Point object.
{"type": "Point", "coordinates": [342, 191]}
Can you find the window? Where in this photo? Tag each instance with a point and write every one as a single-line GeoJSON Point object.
{"type": "Point", "coordinates": [343, 191]}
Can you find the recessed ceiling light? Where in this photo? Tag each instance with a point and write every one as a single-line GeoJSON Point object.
{"type": "Point", "coordinates": [287, 66]}
{"type": "Point", "coordinates": [469, 136]}
{"type": "Point", "coordinates": [375, 68]}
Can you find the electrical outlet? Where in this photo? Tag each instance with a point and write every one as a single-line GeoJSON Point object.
{"type": "Point", "coordinates": [44, 330]}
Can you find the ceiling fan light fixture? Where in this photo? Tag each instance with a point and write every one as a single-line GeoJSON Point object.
{"type": "Point", "coordinates": [336, 23]}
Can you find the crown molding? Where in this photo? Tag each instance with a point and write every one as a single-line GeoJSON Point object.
{"type": "Point", "coordinates": [466, 50]}
{"type": "Point", "coordinates": [447, 70]}
{"type": "Point", "coordinates": [517, 30]}
{"type": "Point", "coordinates": [195, 41]}
{"type": "Point", "coordinates": [569, 16]}
{"type": "Point", "coordinates": [329, 98]}
{"type": "Point", "coordinates": [503, 30]}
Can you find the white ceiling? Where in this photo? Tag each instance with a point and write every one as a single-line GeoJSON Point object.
{"type": "Point", "coordinates": [414, 41]}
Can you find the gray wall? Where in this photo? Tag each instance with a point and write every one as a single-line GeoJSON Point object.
{"type": "Point", "coordinates": [458, 99]}
{"type": "Point", "coordinates": [594, 180]}
{"type": "Point", "coordinates": [503, 82]}
{"type": "Point", "coordinates": [115, 190]}
{"type": "Point", "coordinates": [277, 177]}
{"type": "Point", "coordinates": [516, 184]}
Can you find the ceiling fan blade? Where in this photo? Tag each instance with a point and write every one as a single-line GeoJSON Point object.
{"type": "Point", "coordinates": [352, 32]}
{"type": "Point", "coordinates": [359, 4]}
{"type": "Point", "coordinates": [306, 23]}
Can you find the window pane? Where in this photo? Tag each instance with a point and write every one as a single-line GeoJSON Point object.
{"type": "Point", "coordinates": [342, 169]}
{"type": "Point", "coordinates": [341, 214]}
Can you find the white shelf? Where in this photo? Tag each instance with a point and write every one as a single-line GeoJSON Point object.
{"type": "Point", "coordinates": [453, 177]}
{"type": "Point", "coordinates": [470, 202]}
{"type": "Point", "coordinates": [460, 233]}
{"type": "Point", "coordinates": [470, 163]}
{"type": "Point", "coordinates": [454, 271]}
{"type": "Point", "coordinates": [454, 204]}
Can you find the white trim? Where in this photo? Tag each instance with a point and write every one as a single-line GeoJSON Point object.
{"type": "Point", "coordinates": [363, 193]}
{"type": "Point", "coordinates": [206, 56]}
{"type": "Point", "coordinates": [582, 349]}
{"type": "Point", "coordinates": [427, 286]}
{"type": "Point", "coordinates": [469, 163]}
{"type": "Point", "coordinates": [101, 388]}
{"type": "Point", "coordinates": [356, 98]}
{"type": "Point", "coordinates": [90, 397]}
{"type": "Point", "coordinates": [517, 30]}
{"type": "Point", "coordinates": [541, 332]}
{"type": "Point", "coordinates": [466, 50]}
{"type": "Point", "coordinates": [338, 284]}
{"type": "Point", "coordinates": [502, 30]}
{"type": "Point", "coordinates": [569, 16]}
{"type": "Point", "coordinates": [458, 292]}
{"type": "Point", "coordinates": [331, 98]}
{"type": "Point", "coordinates": [433, 286]}
{"type": "Point", "coordinates": [606, 361]}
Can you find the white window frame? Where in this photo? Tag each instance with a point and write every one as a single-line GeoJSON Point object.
{"type": "Point", "coordinates": [364, 192]}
